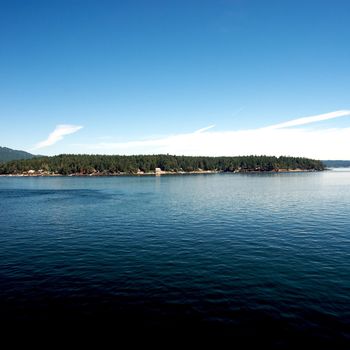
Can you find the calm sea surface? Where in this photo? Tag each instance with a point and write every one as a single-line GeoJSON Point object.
{"type": "Point", "coordinates": [263, 256]}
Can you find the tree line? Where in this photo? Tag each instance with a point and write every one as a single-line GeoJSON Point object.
{"type": "Point", "coordinates": [66, 164]}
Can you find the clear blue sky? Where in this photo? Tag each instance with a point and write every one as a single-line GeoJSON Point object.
{"type": "Point", "coordinates": [129, 70]}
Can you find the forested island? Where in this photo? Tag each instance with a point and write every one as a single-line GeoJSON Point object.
{"type": "Point", "coordinates": [70, 164]}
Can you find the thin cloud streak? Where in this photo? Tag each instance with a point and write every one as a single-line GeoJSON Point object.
{"type": "Point", "coordinates": [57, 135]}
{"type": "Point", "coordinates": [204, 129]}
{"type": "Point", "coordinates": [309, 120]}
{"type": "Point", "coordinates": [279, 139]}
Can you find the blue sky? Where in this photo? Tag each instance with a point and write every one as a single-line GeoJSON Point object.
{"type": "Point", "coordinates": [129, 71]}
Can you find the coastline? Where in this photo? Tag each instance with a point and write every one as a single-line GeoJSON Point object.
{"type": "Point", "coordinates": [160, 173]}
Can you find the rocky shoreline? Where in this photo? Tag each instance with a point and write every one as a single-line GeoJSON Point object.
{"type": "Point", "coordinates": [33, 173]}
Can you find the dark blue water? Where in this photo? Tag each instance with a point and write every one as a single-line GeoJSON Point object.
{"type": "Point", "coordinates": [248, 256]}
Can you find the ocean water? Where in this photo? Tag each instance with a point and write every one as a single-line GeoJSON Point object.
{"type": "Point", "coordinates": [257, 256]}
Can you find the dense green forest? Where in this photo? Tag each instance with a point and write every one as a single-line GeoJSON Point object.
{"type": "Point", "coordinates": [66, 164]}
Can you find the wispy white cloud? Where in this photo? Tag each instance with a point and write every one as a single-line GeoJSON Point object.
{"type": "Point", "coordinates": [279, 139]}
{"type": "Point", "coordinates": [309, 120]}
{"type": "Point", "coordinates": [204, 129]}
{"type": "Point", "coordinates": [238, 111]}
{"type": "Point", "coordinates": [57, 135]}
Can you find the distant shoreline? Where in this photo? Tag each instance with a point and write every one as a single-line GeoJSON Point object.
{"type": "Point", "coordinates": [162, 173]}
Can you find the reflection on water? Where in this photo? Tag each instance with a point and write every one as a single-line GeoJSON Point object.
{"type": "Point", "coordinates": [263, 255]}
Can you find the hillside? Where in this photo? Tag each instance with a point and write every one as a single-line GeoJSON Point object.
{"type": "Point", "coordinates": [70, 164]}
{"type": "Point", "coordinates": [336, 163]}
{"type": "Point", "coordinates": [8, 154]}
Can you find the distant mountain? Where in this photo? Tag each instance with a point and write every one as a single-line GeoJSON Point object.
{"type": "Point", "coordinates": [336, 163]}
{"type": "Point", "coordinates": [7, 154]}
